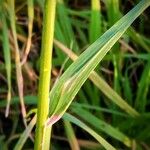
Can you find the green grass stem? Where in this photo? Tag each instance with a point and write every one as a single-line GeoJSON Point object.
{"type": "Point", "coordinates": [42, 137]}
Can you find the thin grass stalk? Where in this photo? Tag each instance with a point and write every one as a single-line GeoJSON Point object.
{"type": "Point", "coordinates": [95, 21]}
{"type": "Point", "coordinates": [95, 31]}
{"type": "Point", "coordinates": [113, 16]}
{"type": "Point", "coordinates": [71, 136]}
{"type": "Point", "coordinates": [25, 134]}
{"type": "Point", "coordinates": [30, 26]}
{"type": "Point", "coordinates": [42, 138]}
{"type": "Point", "coordinates": [113, 12]}
{"type": "Point", "coordinates": [11, 4]}
{"type": "Point", "coordinates": [142, 91]}
{"type": "Point", "coordinates": [65, 25]}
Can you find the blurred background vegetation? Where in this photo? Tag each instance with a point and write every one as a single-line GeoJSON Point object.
{"type": "Point", "coordinates": [78, 23]}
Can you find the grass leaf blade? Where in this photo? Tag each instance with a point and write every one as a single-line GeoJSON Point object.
{"type": "Point", "coordinates": [71, 81]}
{"type": "Point", "coordinates": [89, 130]}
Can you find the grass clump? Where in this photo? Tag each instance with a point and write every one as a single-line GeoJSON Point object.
{"type": "Point", "coordinates": [112, 106]}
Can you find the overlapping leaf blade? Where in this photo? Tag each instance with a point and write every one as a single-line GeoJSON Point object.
{"type": "Point", "coordinates": [101, 84]}
{"type": "Point", "coordinates": [71, 81]}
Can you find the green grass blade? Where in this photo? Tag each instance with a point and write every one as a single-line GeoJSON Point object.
{"type": "Point", "coordinates": [60, 35]}
{"type": "Point", "coordinates": [11, 11]}
{"type": "Point", "coordinates": [101, 125]}
{"type": "Point", "coordinates": [112, 11]}
{"type": "Point", "coordinates": [137, 38]}
{"type": "Point", "coordinates": [7, 57]}
{"type": "Point", "coordinates": [112, 5]}
{"type": "Point", "coordinates": [25, 134]}
{"type": "Point", "coordinates": [95, 21]}
{"type": "Point", "coordinates": [127, 89]}
{"type": "Point", "coordinates": [71, 81]}
{"type": "Point", "coordinates": [142, 91]}
{"type": "Point", "coordinates": [95, 31]}
{"type": "Point", "coordinates": [71, 136]}
{"type": "Point", "coordinates": [76, 121]}
{"type": "Point", "coordinates": [99, 109]}
{"type": "Point", "coordinates": [111, 94]}
{"type": "Point", "coordinates": [65, 24]}
{"type": "Point", "coordinates": [101, 84]}
{"type": "Point", "coordinates": [30, 26]}
{"type": "Point", "coordinates": [63, 31]}
{"type": "Point", "coordinates": [79, 13]}
{"type": "Point", "coordinates": [113, 16]}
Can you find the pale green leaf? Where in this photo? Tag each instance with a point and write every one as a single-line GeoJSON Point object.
{"type": "Point", "coordinates": [71, 81]}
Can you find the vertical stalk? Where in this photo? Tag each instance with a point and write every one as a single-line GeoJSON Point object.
{"type": "Point", "coordinates": [42, 138]}
{"type": "Point", "coordinates": [113, 16]}
{"type": "Point", "coordinates": [95, 21]}
{"type": "Point", "coordinates": [11, 4]}
{"type": "Point", "coordinates": [30, 27]}
{"type": "Point", "coordinates": [71, 136]}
